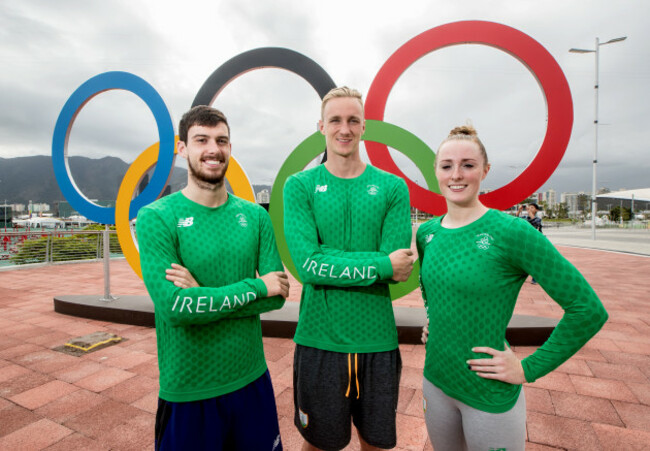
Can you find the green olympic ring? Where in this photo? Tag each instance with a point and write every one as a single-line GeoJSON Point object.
{"type": "Point", "coordinates": [376, 131]}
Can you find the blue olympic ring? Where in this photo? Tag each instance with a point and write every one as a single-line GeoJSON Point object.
{"type": "Point", "coordinates": [92, 87]}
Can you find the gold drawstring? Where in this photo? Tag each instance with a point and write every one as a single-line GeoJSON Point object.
{"type": "Point", "coordinates": [356, 375]}
{"type": "Point", "coordinates": [347, 393]}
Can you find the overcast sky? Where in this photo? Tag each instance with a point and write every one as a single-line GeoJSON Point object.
{"type": "Point", "coordinates": [49, 48]}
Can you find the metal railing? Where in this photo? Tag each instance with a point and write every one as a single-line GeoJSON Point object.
{"type": "Point", "coordinates": [22, 246]}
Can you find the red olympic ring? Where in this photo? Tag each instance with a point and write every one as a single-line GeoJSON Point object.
{"type": "Point", "coordinates": [535, 57]}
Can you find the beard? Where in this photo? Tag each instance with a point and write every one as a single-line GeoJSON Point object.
{"type": "Point", "coordinates": [207, 180]}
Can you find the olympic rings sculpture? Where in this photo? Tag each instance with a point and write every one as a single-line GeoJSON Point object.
{"type": "Point", "coordinates": [378, 135]}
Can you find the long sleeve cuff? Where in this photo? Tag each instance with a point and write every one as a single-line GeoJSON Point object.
{"type": "Point", "coordinates": [384, 268]}
{"type": "Point", "coordinates": [261, 288]}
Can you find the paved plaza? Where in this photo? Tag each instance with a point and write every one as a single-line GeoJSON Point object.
{"type": "Point", "coordinates": [634, 241]}
{"type": "Point", "coordinates": [599, 399]}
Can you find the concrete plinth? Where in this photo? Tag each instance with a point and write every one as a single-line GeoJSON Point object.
{"type": "Point", "coordinates": [522, 330]}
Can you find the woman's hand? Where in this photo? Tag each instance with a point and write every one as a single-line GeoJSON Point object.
{"type": "Point", "coordinates": [180, 276]}
{"type": "Point", "coordinates": [503, 366]}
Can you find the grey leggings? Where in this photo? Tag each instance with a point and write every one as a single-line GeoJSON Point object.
{"type": "Point", "coordinates": [453, 425]}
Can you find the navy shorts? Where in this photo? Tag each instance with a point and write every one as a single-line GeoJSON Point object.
{"type": "Point", "coordinates": [332, 388]}
{"type": "Point", "coordinates": [246, 419]}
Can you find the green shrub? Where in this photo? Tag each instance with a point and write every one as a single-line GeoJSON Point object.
{"type": "Point", "coordinates": [62, 249]}
{"type": "Point", "coordinates": [114, 243]}
{"type": "Point", "coordinates": [77, 247]}
{"type": "Point", "coordinates": [31, 251]}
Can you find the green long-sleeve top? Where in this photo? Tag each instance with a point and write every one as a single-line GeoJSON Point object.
{"type": "Point", "coordinates": [340, 233]}
{"type": "Point", "coordinates": [209, 337]}
{"type": "Point", "coordinates": [470, 279]}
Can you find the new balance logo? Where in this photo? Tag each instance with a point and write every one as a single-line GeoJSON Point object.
{"type": "Point", "coordinates": [321, 188]}
{"type": "Point", "coordinates": [185, 222]}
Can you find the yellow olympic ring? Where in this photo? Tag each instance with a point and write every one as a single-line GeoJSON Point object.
{"type": "Point", "coordinates": [235, 175]}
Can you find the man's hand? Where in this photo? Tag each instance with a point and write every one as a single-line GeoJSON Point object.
{"type": "Point", "coordinates": [503, 366]}
{"type": "Point", "coordinates": [180, 276]}
{"type": "Point", "coordinates": [425, 333]}
{"type": "Point", "coordinates": [277, 283]}
{"type": "Point", "coordinates": [402, 261]}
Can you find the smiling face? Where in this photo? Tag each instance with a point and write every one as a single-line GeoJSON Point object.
{"type": "Point", "coordinates": [207, 151]}
{"type": "Point", "coordinates": [343, 125]}
{"type": "Point", "coordinates": [460, 169]}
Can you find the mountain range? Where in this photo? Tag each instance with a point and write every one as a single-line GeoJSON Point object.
{"type": "Point", "coordinates": [32, 178]}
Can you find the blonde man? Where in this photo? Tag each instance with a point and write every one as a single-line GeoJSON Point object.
{"type": "Point", "coordinates": [348, 230]}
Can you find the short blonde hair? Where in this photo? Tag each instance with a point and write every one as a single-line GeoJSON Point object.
{"type": "Point", "coordinates": [342, 91]}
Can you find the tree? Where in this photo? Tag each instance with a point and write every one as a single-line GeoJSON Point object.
{"type": "Point", "coordinates": [544, 205]}
{"type": "Point", "coordinates": [562, 210]}
{"type": "Point", "coordinates": [584, 202]}
{"type": "Point", "coordinates": [615, 214]}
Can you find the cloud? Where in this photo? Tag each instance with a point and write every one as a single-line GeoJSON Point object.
{"type": "Point", "coordinates": [50, 48]}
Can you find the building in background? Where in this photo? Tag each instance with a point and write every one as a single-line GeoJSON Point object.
{"type": "Point", "coordinates": [637, 200]}
{"type": "Point", "coordinates": [571, 201]}
{"type": "Point", "coordinates": [550, 197]}
{"type": "Point", "coordinates": [40, 208]}
{"type": "Point", "coordinates": [63, 209]}
{"type": "Point", "coordinates": [263, 197]}
{"type": "Point", "coordinates": [6, 214]}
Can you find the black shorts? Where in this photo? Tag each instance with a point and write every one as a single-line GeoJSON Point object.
{"type": "Point", "coordinates": [332, 387]}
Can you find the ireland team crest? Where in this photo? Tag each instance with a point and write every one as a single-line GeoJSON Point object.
{"type": "Point", "coordinates": [484, 241]}
{"type": "Point", "coordinates": [373, 190]}
{"type": "Point", "coordinates": [304, 418]}
{"type": "Point", "coordinates": [241, 218]}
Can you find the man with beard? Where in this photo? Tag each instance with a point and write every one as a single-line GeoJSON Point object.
{"type": "Point", "coordinates": [211, 266]}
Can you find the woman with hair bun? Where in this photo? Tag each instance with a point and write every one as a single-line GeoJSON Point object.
{"type": "Point", "coordinates": [474, 261]}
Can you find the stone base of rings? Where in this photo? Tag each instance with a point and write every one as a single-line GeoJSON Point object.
{"type": "Point", "coordinates": [523, 330]}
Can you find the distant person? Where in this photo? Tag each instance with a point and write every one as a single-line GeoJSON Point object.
{"type": "Point", "coordinates": [522, 211]}
{"type": "Point", "coordinates": [474, 261]}
{"type": "Point", "coordinates": [348, 227]}
{"type": "Point", "coordinates": [211, 266]}
{"type": "Point", "coordinates": [531, 216]}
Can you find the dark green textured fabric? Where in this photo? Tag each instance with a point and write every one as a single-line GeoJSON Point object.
{"type": "Point", "coordinates": [209, 338]}
{"type": "Point", "coordinates": [340, 233]}
{"type": "Point", "coordinates": [471, 277]}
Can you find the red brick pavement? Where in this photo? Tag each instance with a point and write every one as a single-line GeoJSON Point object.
{"type": "Point", "coordinates": [599, 399]}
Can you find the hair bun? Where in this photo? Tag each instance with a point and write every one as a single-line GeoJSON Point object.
{"type": "Point", "coordinates": [466, 130]}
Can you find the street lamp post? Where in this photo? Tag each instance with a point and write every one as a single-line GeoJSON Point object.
{"type": "Point", "coordinates": [595, 161]}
